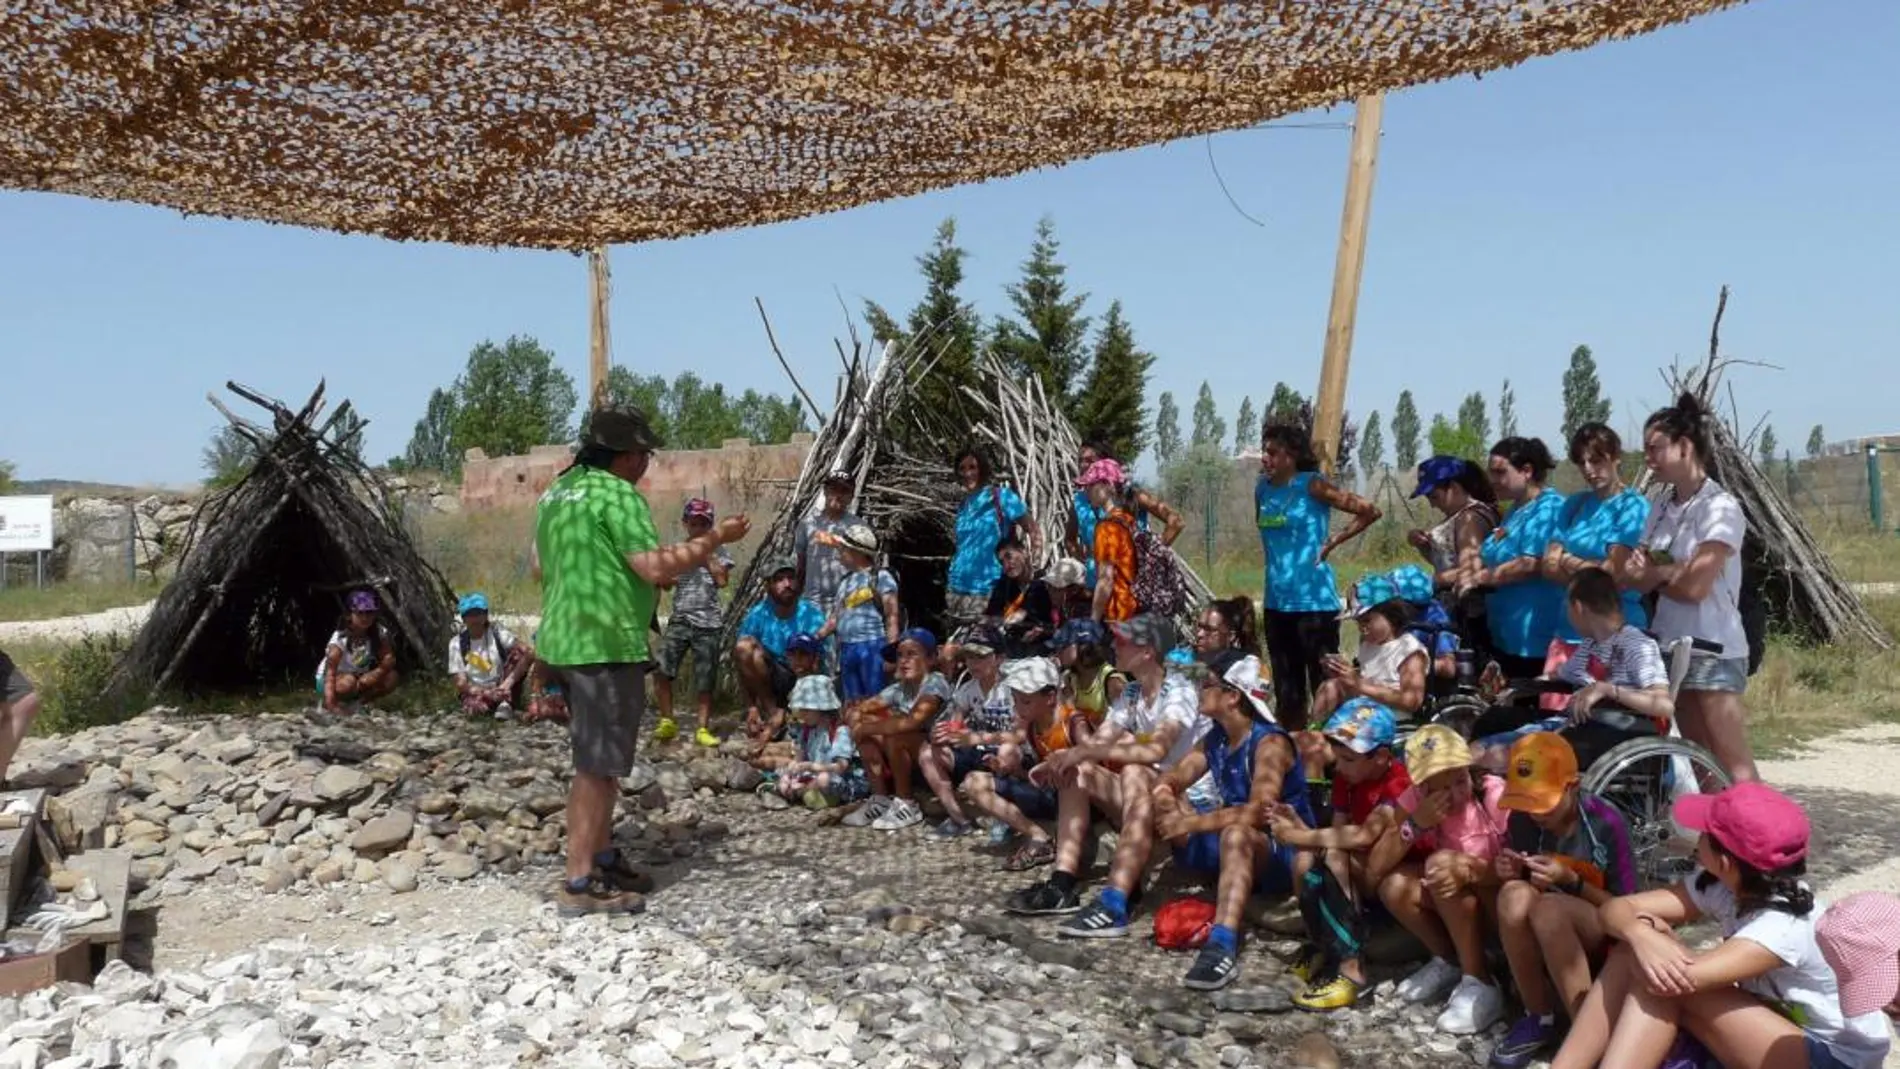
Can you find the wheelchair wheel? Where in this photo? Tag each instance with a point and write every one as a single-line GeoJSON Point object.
{"type": "Point", "coordinates": [1642, 778]}
{"type": "Point", "coordinates": [1458, 712]}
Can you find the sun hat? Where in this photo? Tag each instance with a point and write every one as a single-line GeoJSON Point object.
{"type": "Point", "coordinates": [1540, 768]}
{"type": "Point", "coordinates": [363, 601]}
{"type": "Point", "coordinates": [697, 508]}
{"type": "Point", "coordinates": [1860, 938]}
{"type": "Point", "coordinates": [805, 644]}
{"type": "Point", "coordinates": [1413, 583]}
{"type": "Point", "coordinates": [1065, 573]}
{"type": "Point", "coordinates": [859, 537]}
{"type": "Point", "coordinates": [981, 641]}
{"type": "Point", "coordinates": [1031, 675]}
{"type": "Point", "coordinates": [1433, 749]}
{"type": "Point", "coordinates": [813, 692]}
{"type": "Point", "coordinates": [842, 478]}
{"type": "Point", "coordinates": [918, 635]}
{"type": "Point", "coordinates": [1241, 671]}
{"type": "Point", "coordinates": [621, 429]}
{"type": "Point", "coordinates": [1078, 632]}
{"type": "Point", "coordinates": [1368, 593]}
{"type": "Point", "coordinates": [1106, 470]}
{"type": "Point", "coordinates": [1362, 726]}
{"type": "Point", "coordinates": [476, 602]}
{"type": "Point", "coordinates": [1762, 827]}
{"type": "Point", "coordinates": [1150, 629]}
{"type": "Point", "coordinates": [1435, 472]}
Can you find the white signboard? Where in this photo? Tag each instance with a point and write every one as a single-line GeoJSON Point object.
{"type": "Point", "coordinates": [26, 524]}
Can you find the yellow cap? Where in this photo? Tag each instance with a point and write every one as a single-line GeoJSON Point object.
{"type": "Point", "coordinates": [1542, 766]}
{"type": "Point", "coordinates": [1435, 748]}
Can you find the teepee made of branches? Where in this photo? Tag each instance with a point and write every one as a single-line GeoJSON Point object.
{"type": "Point", "coordinates": [268, 563]}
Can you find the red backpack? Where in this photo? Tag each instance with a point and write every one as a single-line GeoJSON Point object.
{"type": "Point", "coordinates": [1183, 924]}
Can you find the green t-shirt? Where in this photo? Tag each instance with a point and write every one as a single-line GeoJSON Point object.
{"type": "Point", "coordinates": [594, 609]}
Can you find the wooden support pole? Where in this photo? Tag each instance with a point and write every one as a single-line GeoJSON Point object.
{"type": "Point", "coordinates": [600, 346]}
{"type": "Point", "coordinates": [1329, 411]}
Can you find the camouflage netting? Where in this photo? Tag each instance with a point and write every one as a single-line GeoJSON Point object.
{"type": "Point", "coordinates": [566, 123]}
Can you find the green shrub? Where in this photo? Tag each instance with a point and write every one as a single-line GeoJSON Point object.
{"type": "Point", "coordinates": [75, 686]}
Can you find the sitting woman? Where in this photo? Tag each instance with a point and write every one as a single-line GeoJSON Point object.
{"type": "Point", "coordinates": [1392, 661]}
{"type": "Point", "coordinates": [1226, 624]}
{"type": "Point", "coordinates": [359, 663]}
{"type": "Point", "coordinates": [1762, 998]}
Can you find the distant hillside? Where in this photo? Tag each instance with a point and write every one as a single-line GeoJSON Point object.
{"type": "Point", "coordinates": [70, 487]}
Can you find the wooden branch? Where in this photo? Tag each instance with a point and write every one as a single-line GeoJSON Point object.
{"type": "Point", "coordinates": [796, 385]}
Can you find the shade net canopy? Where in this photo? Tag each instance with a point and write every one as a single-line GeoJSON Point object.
{"type": "Point", "coordinates": [570, 123]}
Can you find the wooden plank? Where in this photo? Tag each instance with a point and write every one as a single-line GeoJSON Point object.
{"type": "Point", "coordinates": [16, 848]}
{"type": "Point", "coordinates": [111, 872]}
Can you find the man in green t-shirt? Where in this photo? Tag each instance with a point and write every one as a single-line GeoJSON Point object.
{"type": "Point", "coordinates": [599, 559]}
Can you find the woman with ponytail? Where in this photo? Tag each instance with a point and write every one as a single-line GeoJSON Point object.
{"type": "Point", "coordinates": [1691, 560]}
{"type": "Point", "coordinates": [1764, 997]}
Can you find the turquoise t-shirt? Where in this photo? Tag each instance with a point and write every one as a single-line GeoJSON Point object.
{"type": "Point", "coordinates": [1293, 527]}
{"type": "Point", "coordinates": [975, 569]}
{"type": "Point", "coordinates": [1525, 616]}
{"type": "Point", "coordinates": [775, 632]}
{"type": "Point", "coordinates": [1590, 526]}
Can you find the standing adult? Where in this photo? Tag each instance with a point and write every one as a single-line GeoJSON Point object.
{"type": "Point", "coordinates": [1141, 503]}
{"type": "Point", "coordinates": [1455, 545]}
{"type": "Point", "coordinates": [1114, 549]}
{"type": "Point", "coordinates": [1691, 559]}
{"type": "Point", "coordinates": [989, 513]}
{"type": "Point", "coordinates": [1600, 526]}
{"type": "Point", "coordinates": [19, 704]}
{"type": "Point", "coordinates": [599, 559]}
{"type": "Point", "coordinates": [815, 546]}
{"type": "Point", "coordinates": [1524, 609]}
{"type": "Point", "coordinates": [1293, 505]}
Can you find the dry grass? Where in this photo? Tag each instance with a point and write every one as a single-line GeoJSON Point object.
{"type": "Point", "coordinates": [71, 599]}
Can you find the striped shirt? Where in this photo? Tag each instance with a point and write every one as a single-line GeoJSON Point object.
{"type": "Point", "coordinates": [1629, 659]}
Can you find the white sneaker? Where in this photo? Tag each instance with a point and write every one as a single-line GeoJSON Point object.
{"type": "Point", "coordinates": [1431, 983]}
{"type": "Point", "coordinates": [862, 816]}
{"type": "Point", "coordinates": [902, 814]}
{"type": "Point", "coordinates": [504, 711]}
{"type": "Point", "coordinates": [1474, 1007]}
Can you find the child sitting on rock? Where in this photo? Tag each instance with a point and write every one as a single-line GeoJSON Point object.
{"type": "Point", "coordinates": [359, 663]}
{"type": "Point", "coordinates": [768, 734]}
{"type": "Point", "coordinates": [824, 770]}
{"type": "Point", "coordinates": [864, 616]}
{"type": "Point", "coordinates": [1090, 683]}
{"type": "Point", "coordinates": [890, 730]}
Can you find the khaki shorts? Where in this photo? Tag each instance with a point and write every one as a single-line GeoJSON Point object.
{"type": "Point", "coordinates": [605, 703]}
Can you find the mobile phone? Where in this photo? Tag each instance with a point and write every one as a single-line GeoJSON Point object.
{"type": "Point", "coordinates": [1661, 556]}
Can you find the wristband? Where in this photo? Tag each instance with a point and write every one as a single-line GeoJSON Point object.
{"type": "Point", "coordinates": [1408, 831]}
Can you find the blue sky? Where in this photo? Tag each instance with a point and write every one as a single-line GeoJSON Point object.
{"type": "Point", "coordinates": [1598, 197]}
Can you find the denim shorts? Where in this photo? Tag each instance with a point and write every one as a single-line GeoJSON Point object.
{"type": "Point", "coordinates": [1036, 803]}
{"type": "Point", "coordinates": [1713, 674]}
{"type": "Point", "coordinates": [1820, 1055]}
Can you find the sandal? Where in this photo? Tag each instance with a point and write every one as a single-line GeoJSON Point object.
{"type": "Point", "coordinates": [1029, 855]}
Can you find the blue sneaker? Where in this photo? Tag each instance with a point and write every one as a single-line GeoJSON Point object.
{"type": "Point", "coordinates": [999, 833]}
{"type": "Point", "coordinates": [1528, 1038]}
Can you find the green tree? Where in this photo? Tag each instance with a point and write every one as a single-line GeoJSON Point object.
{"type": "Point", "coordinates": [511, 398]}
{"type": "Point", "coordinates": [1048, 335]}
{"type": "Point", "coordinates": [941, 322]}
{"type": "Point", "coordinates": [1112, 404]}
{"type": "Point", "coordinates": [1286, 406]}
{"type": "Point", "coordinates": [1507, 411]}
{"type": "Point", "coordinates": [227, 457]}
{"type": "Point", "coordinates": [1583, 394]}
{"type": "Point", "coordinates": [7, 473]}
{"type": "Point", "coordinates": [689, 413]}
{"type": "Point", "coordinates": [1209, 428]}
{"type": "Point", "coordinates": [432, 445]}
{"type": "Point", "coordinates": [1405, 428]}
{"type": "Point", "coordinates": [1472, 418]}
{"type": "Point", "coordinates": [1767, 446]}
{"type": "Point", "coordinates": [348, 434]}
{"type": "Point", "coordinates": [1817, 441]}
{"type": "Point", "coordinates": [1450, 439]}
{"type": "Point", "coordinates": [1372, 447]}
{"type": "Point", "coordinates": [1167, 431]}
{"type": "Point", "coordinates": [1246, 426]}
{"type": "Point", "coordinates": [768, 418]}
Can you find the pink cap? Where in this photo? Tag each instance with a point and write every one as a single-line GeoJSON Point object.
{"type": "Point", "coordinates": [1860, 938]}
{"type": "Point", "coordinates": [1106, 470]}
{"type": "Point", "coordinates": [1759, 825]}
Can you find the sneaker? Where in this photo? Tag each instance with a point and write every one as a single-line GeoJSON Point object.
{"type": "Point", "coordinates": [1043, 900]}
{"type": "Point", "coordinates": [1095, 922]}
{"type": "Point", "coordinates": [666, 730]}
{"type": "Point", "coordinates": [1308, 968]}
{"type": "Point", "coordinates": [903, 813]}
{"type": "Point", "coordinates": [504, 711]}
{"type": "Point", "coordinates": [1338, 993]}
{"type": "Point", "coordinates": [1431, 983]}
{"type": "Point", "coordinates": [1214, 968]}
{"type": "Point", "coordinates": [873, 808]}
{"type": "Point", "coordinates": [1528, 1038]}
{"type": "Point", "coordinates": [1474, 1007]}
{"type": "Point", "coordinates": [598, 895]}
{"type": "Point", "coordinates": [1000, 833]}
{"type": "Point", "coordinates": [613, 866]}
{"type": "Point", "coordinates": [950, 829]}
{"type": "Point", "coordinates": [706, 738]}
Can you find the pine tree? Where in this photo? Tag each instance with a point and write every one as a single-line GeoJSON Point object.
{"type": "Point", "coordinates": [1245, 426]}
{"type": "Point", "coordinates": [1287, 406]}
{"type": "Point", "coordinates": [1113, 400]}
{"type": "Point", "coordinates": [1405, 429]}
{"type": "Point", "coordinates": [942, 322]}
{"type": "Point", "coordinates": [1167, 430]}
{"type": "Point", "coordinates": [1767, 446]}
{"type": "Point", "coordinates": [1209, 428]}
{"type": "Point", "coordinates": [1583, 394]}
{"type": "Point", "coordinates": [430, 447]}
{"type": "Point", "coordinates": [1507, 411]}
{"type": "Point", "coordinates": [1048, 337]}
{"type": "Point", "coordinates": [1372, 447]}
{"type": "Point", "coordinates": [1817, 441]}
{"type": "Point", "coordinates": [1473, 422]}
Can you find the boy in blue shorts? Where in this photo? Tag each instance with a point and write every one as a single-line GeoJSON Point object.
{"type": "Point", "coordinates": [863, 615]}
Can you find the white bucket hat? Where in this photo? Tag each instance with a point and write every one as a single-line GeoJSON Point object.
{"type": "Point", "coordinates": [1066, 573]}
{"type": "Point", "coordinates": [1030, 675]}
{"type": "Point", "coordinates": [816, 693]}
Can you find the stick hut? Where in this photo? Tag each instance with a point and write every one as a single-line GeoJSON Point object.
{"type": "Point", "coordinates": [269, 561]}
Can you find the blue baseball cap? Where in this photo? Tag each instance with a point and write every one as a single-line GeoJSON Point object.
{"type": "Point", "coordinates": [1079, 632]}
{"type": "Point", "coordinates": [804, 644]}
{"type": "Point", "coordinates": [1362, 726]}
{"type": "Point", "coordinates": [1435, 472]}
{"type": "Point", "coordinates": [471, 603]}
{"type": "Point", "coordinates": [918, 635]}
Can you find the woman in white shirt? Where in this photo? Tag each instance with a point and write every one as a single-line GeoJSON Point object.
{"type": "Point", "coordinates": [1691, 559]}
{"type": "Point", "coordinates": [1393, 663]}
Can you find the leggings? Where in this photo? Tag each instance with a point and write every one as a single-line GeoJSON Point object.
{"type": "Point", "coordinates": [1296, 641]}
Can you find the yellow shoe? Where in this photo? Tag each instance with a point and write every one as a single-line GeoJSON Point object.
{"type": "Point", "coordinates": [706, 738]}
{"type": "Point", "coordinates": [666, 730]}
{"type": "Point", "coordinates": [1309, 965]}
{"type": "Point", "coordinates": [1336, 994]}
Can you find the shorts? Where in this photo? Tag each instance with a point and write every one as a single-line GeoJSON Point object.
{"type": "Point", "coordinates": [860, 670]}
{"type": "Point", "coordinates": [843, 790]}
{"type": "Point", "coordinates": [1820, 1055]}
{"type": "Point", "coordinates": [1036, 803]}
{"type": "Point", "coordinates": [605, 703]}
{"type": "Point", "coordinates": [1711, 674]}
{"type": "Point", "coordinates": [782, 679]}
{"type": "Point", "coordinates": [703, 642]}
{"type": "Point", "coordinates": [14, 686]}
{"type": "Point", "coordinates": [966, 760]}
{"type": "Point", "coordinates": [1273, 875]}
{"type": "Point", "coordinates": [961, 610]}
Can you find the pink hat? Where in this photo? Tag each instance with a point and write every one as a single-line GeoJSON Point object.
{"type": "Point", "coordinates": [1759, 825]}
{"type": "Point", "coordinates": [1860, 938]}
{"type": "Point", "coordinates": [1106, 470]}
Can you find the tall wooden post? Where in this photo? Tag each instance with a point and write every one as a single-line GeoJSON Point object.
{"type": "Point", "coordinates": [600, 346]}
{"type": "Point", "coordinates": [1329, 411]}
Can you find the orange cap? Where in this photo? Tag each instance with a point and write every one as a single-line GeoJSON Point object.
{"type": "Point", "coordinates": [1542, 766]}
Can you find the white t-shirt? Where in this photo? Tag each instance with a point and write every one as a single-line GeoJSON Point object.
{"type": "Point", "coordinates": [1380, 663]}
{"type": "Point", "coordinates": [991, 712]}
{"type": "Point", "coordinates": [1179, 702]}
{"type": "Point", "coordinates": [1804, 987]}
{"type": "Point", "coordinates": [486, 656]}
{"type": "Point", "coordinates": [1678, 528]}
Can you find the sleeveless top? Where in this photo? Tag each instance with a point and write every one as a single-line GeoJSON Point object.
{"type": "Point", "coordinates": [1444, 555]}
{"type": "Point", "coordinates": [1089, 692]}
{"type": "Point", "coordinates": [1230, 770]}
{"type": "Point", "coordinates": [1293, 527]}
